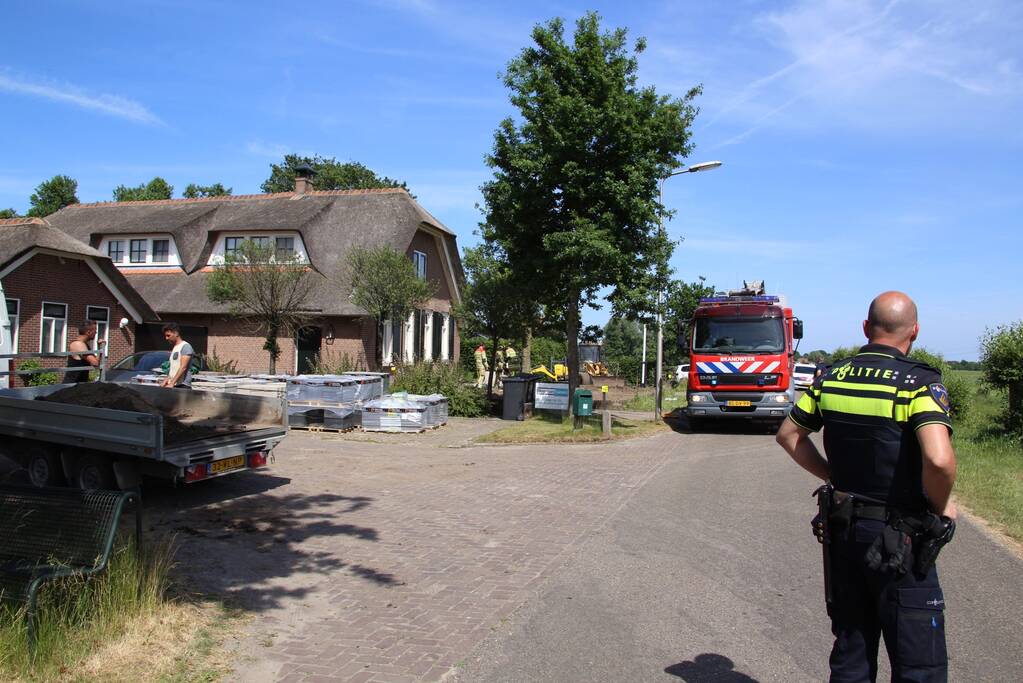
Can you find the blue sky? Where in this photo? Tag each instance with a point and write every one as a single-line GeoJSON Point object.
{"type": "Point", "coordinates": [866, 145]}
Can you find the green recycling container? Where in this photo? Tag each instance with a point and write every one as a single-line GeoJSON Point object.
{"type": "Point", "coordinates": [582, 402]}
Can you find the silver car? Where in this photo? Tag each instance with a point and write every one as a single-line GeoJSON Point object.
{"type": "Point", "coordinates": [803, 374]}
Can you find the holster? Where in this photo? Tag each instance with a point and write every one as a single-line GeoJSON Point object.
{"type": "Point", "coordinates": [910, 541]}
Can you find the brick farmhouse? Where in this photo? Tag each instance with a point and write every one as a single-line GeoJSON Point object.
{"type": "Point", "coordinates": [53, 283]}
{"type": "Point", "coordinates": [166, 250]}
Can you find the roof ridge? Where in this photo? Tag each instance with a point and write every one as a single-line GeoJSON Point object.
{"type": "Point", "coordinates": [238, 197]}
{"type": "Point", "coordinates": [24, 220]}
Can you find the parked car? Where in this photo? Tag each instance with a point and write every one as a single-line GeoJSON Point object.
{"type": "Point", "coordinates": [681, 374]}
{"type": "Point", "coordinates": [144, 363]}
{"type": "Point", "coordinates": [803, 374]}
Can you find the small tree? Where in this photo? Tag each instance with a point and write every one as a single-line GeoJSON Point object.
{"type": "Point", "coordinates": [194, 191]}
{"type": "Point", "coordinates": [53, 195]}
{"type": "Point", "coordinates": [8, 213]}
{"type": "Point", "coordinates": [331, 174]}
{"type": "Point", "coordinates": [491, 305]}
{"type": "Point", "coordinates": [266, 288]}
{"type": "Point", "coordinates": [384, 283]}
{"type": "Point", "coordinates": [680, 305]}
{"type": "Point", "coordinates": [157, 188]}
{"type": "Point", "coordinates": [1002, 358]}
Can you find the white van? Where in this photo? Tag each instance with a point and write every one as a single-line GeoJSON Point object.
{"type": "Point", "coordinates": [5, 342]}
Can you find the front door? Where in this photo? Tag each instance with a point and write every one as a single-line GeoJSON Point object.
{"type": "Point", "coordinates": [307, 341]}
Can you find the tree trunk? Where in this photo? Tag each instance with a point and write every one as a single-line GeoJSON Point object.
{"type": "Point", "coordinates": [572, 341]}
{"type": "Point", "coordinates": [273, 363]}
{"type": "Point", "coordinates": [527, 351]}
{"type": "Point", "coordinates": [380, 345]}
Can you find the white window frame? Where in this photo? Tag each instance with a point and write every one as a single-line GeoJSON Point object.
{"type": "Point", "coordinates": [145, 253]}
{"type": "Point", "coordinates": [445, 330]}
{"type": "Point", "coordinates": [43, 318]}
{"type": "Point", "coordinates": [121, 249]}
{"type": "Point", "coordinates": [15, 323]}
{"type": "Point", "coordinates": [387, 343]}
{"type": "Point", "coordinates": [102, 327]}
{"type": "Point", "coordinates": [152, 250]}
{"type": "Point", "coordinates": [419, 262]}
{"type": "Point", "coordinates": [427, 336]}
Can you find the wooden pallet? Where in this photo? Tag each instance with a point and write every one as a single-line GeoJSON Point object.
{"type": "Point", "coordinates": [323, 428]}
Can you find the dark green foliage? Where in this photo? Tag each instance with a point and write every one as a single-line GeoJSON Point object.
{"type": "Point", "coordinates": [265, 288]}
{"type": "Point", "coordinates": [680, 305]}
{"type": "Point", "coordinates": [464, 399]}
{"type": "Point", "coordinates": [1002, 359]}
{"type": "Point", "coordinates": [215, 363]}
{"type": "Point", "coordinates": [959, 389]}
{"type": "Point", "coordinates": [330, 363]}
{"type": "Point", "coordinates": [623, 347]}
{"type": "Point", "coordinates": [37, 379]}
{"type": "Point", "coordinates": [331, 174]}
{"type": "Point", "coordinates": [8, 213]}
{"type": "Point", "coordinates": [573, 201]}
{"type": "Point", "coordinates": [157, 188]}
{"type": "Point", "coordinates": [53, 195]}
{"type": "Point", "coordinates": [194, 191]}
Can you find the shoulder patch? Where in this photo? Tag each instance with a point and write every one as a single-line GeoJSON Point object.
{"type": "Point", "coordinates": [940, 395]}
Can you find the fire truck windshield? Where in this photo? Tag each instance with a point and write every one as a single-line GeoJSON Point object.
{"type": "Point", "coordinates": [735, 335]}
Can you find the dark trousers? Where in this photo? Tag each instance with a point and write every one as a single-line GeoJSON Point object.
{"type": "Point", "coordinates": [908, 610]}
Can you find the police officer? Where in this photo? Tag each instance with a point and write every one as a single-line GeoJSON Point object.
{"type": "Point", "coordinates": [891, 463]}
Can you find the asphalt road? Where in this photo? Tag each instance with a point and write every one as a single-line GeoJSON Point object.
{"type": "Point", "coordinates": [710, 573]}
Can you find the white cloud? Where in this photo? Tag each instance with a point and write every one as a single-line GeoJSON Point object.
{"type": "Point", "coordinates": [112, 105]}
{"type": "Point", "coordinates": [270, 150]}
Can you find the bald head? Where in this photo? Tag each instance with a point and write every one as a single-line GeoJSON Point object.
{"type": "Point", "coordinates": [891, 320]}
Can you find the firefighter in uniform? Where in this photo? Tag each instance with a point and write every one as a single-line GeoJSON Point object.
{"type": "Point", "coordinates": [885, 510]}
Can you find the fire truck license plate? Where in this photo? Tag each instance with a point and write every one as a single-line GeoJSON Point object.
{"type": "Point", "coordinates": [227, 464]}
{"type": "Point", "coordinates": [738, 404]}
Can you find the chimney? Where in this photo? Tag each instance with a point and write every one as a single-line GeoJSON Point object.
{"type": "Point", "coordinates": [304, 179]}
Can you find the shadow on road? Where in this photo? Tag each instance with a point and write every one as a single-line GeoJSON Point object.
{"type": "Point", "coordinates": [708, 668]}
{"type": "Point", "coordinates": [241, 541]}
{"type": "Point", "coordinates": [681, 424]}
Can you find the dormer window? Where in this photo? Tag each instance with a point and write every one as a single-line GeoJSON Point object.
{"type": "Point", "coordinates": [232, 245]}
{"type": "Point", "coordinates": [282, 245]}
{"type": "Point", "coordinates": [138, 251]}
{"type": "Point", "coordinates": [161, 251]}
{"type": "Point", "coordinates": [115, 250]}
{"type": "Point", "coordinates": [285, 247]}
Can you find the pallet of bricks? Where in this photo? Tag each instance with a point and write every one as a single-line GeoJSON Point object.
{"type": "Point", "coordinates": [407, 413]}
{"type": "Point", "coordinates": [330, 402]}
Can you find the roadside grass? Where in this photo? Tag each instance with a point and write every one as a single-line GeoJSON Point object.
{"type": "Point", "coordinates": [553, 429]}
{"type": "Point", "coordinates": [990, 476]}
{"type": "Point", "coordinates": [117, 626]}
{"type": "Point", "coordinates": [644, 399]}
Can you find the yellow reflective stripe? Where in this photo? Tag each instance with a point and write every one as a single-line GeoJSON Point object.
{"type": "Point", "coordinates": [912, 392]}
{"type": "Point", "coordinates": [924, 404]}
{"type": "Point", "coordinates": [861, 386]}
{"type": "Point", "coordinates": [875, 353]}
{"type": "Point", "coordinates": [902, 412]}
{"type": "Point", "coordinates": [807, 404]}
{"type": "Point", "coordinates": [857, 405]}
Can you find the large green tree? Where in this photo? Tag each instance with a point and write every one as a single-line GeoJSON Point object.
{"type": "Point", "coordinates": [384, 284]}
{"type": "Point", "coordinates": [573, 201]}
{"type": "Point", "coordinates": [157, 188]}
{"type": "Point", "coordinates": [331, 174]}
{"type": "Point", "coordinates": [193, 191]}
{"type": "Point", "coordinates": [679, 305]}
{"type": "Point", "coordinates": [53, 195]}
{"type": "Point", "coordinates": [268, 289]}
{"type": "Point", "coordinates": [491, 304]}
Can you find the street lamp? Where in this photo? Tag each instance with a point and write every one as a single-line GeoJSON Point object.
{"type": "Point", "coordinates": [658, 371]}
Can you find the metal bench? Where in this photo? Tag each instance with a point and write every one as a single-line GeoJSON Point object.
{"type": "Point", "coordinates": [50, 533]}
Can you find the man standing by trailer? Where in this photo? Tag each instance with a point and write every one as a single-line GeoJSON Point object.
{"type": "Point", "coordinates": [179, 374]}
{"type": "Point", "coordinates": [886, 511]}
{"type": "Point", "coordinates": [82, 355]}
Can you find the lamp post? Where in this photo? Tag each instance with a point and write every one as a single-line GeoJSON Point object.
{"type": "Point", "coordinates": [658, 371]}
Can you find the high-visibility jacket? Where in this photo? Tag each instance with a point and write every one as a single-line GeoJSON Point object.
{"type": "Point", "coordinates": [870, 407]}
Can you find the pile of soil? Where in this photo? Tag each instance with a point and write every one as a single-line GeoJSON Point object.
{"type": "Point", "coordinates": [119, 397]}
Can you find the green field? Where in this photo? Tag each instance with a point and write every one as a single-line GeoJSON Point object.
{"type": "Point", "coordinates": [990, 477]}
{"type": "Point", "coordinates": [553, 429]}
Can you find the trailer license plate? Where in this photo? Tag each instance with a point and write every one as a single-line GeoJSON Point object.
{"type": "Point", "coordinates": [227, 464]}
{"type": "Point", "coordinates": [738, 404]}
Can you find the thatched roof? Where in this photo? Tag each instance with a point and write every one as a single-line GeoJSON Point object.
{"type": "Point", "coordinates": [19, 236]}
{"type": "Point", "coordinates": [331, 223]}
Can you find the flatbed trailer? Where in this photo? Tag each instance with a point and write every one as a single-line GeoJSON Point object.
{"type": "Point", "coordinates": [91, 447]}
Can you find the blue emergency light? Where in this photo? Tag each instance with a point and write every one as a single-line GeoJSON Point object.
{"type": "Point", "coordinates": [760, 298]}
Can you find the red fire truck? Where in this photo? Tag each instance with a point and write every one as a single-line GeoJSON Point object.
{"type": "Point", "coordinates": [741, 349]}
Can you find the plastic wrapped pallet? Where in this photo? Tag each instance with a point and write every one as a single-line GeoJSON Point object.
{"type": "Point", "coordinates": [304, 415]}
{"type": "Point", "coordinates": [341, 417]}
{"type": "Point", "coordinates": [368, 387]}
{"type": "Point", "coordinates": [394, 414]}
{"type": "Point", "coordinates": [264, 389]}
{"type": "Point", "coordinates": [340, 389]}
{"type": "Point", "coordinates": [437, 407]}
{"type": "Point", "coordinates": [385, 380]}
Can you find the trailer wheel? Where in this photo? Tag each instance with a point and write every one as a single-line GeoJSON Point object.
{"type": "Point", "coordinates": [95, 472]}
{"type": "Point", "coordinates": [43, 465]}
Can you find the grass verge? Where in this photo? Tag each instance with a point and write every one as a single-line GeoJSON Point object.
{"type": "Point", "coordinates": [644, 399]}
{"type": "Point", "coordinates": [116, 626]}
{"type": "Point", "coordinates": [553, 429]}
{"type": "Point", "coordinates": [990, 476]}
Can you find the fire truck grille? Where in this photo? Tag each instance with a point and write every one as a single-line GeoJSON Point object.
{"type": "Point", "coordinates": [736, 396]}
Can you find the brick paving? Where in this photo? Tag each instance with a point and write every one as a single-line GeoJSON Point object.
{"type": "Point", "coordinates": [383, 563]}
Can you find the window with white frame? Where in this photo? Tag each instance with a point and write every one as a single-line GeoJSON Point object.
{"type": "Point", "coordinates": [161, 251]}
{"type": "Point", "coordinates": [261, 242]}
{"type": "Point", "coordinates": [14, 316]}
{"type": "Point", "coordinates": [285, 247]}
{"type": "Point", "coordinates": [115, 250]}
{"type": "Point", "coordinates": [53, 335]}
{"type": "Point", "coordinates": [138, 251]}
{"type": "Point", "coordinates": [101, 316]}
{"type": "Point", "coordinates": [232, 245]}
{"type": "Point", "coordinates": [419, 261]}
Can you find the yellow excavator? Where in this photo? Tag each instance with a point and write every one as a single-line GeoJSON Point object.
{"type": "Point", "coordinates": [591, 364]}
{"type": "Point", "coordinates": [558, 374]}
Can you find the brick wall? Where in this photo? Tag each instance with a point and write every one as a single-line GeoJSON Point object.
{"type": "Point", "coordinates": [238, 340]}
{"type": "Point", "coordinates": [66, 281]}
{"type": "Point", "coordinates": [435, 267]}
